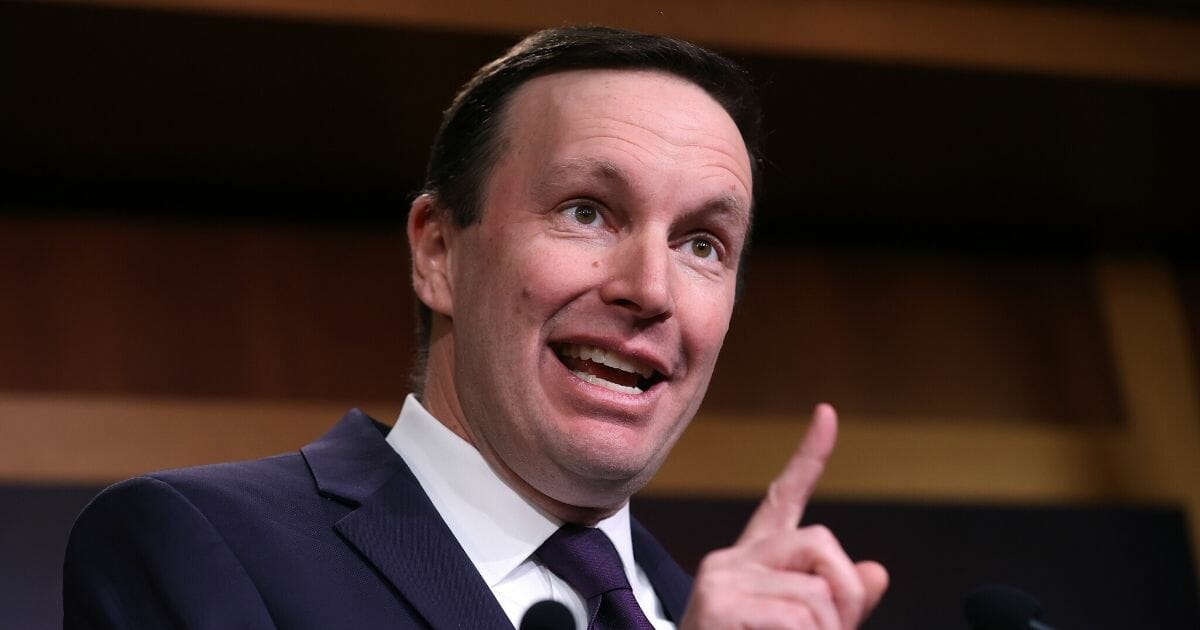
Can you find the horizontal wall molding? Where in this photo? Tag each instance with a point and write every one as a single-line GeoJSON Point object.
{"type": "Point", "coordinates": [86, 439]}
{"type": "Point", "coordinates": [81, 439]}
{"type": "Point", "coordinates": [906, 459]}
{"type": "Point", "coordinates": [1022, 37]}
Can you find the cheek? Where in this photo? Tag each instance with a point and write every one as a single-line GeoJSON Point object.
{"type": "Point", "coordinates": [507, 276]}
{"type": "Point", "coordinates": [551, 272]}
{"type": "Point", "coordinates": [704, 320]}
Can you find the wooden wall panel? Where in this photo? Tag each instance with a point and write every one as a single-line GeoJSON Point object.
{"type": "Point", "coordinates": [284, 312]}
{"type": "Point", "coordinates": [90, 439]}
{"type": "Point", "coordinates": [126, 347]}
{"type": "Point", "coordinates": [951, 337]}
{"type": "Point", "coordinates": [203, 310]}
{"type": "Point", "coordinates": [1188, 272]}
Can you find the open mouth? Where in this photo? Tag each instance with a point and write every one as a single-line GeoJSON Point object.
{"type": "Point", "coordinates": [607, 368]}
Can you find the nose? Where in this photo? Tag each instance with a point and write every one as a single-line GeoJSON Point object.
{"type": "Point", "coordinates": [639, 277]}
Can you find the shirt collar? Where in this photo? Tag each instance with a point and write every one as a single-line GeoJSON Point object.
{"type": "Point", "coordinates": [497, 527]}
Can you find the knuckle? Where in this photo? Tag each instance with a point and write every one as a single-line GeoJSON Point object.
{"type": "Point", "coordinates": [821, 533]}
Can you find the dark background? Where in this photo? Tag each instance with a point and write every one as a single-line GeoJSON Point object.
{"type": "Point", "coordinates": [218, 118]}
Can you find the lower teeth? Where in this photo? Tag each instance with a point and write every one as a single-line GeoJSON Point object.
{"type": "Point", "coordinates": [596, 380]}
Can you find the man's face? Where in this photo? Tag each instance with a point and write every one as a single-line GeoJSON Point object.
{"type": "Point", "coordinates": [591, 301]}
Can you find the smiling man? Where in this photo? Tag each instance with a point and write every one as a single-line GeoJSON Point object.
{"type": "Point", "coordinates": [576, 253]}
{"type": "Point", "coordinates": [599, 279]}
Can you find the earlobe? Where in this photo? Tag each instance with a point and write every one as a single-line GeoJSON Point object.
{"type": "Point", "coordinates": [429, 239]}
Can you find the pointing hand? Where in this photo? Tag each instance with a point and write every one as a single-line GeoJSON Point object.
{"type": "Point", "coordinates": [778, 575]}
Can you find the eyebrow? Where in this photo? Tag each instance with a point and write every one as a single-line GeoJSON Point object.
{"type": "Point", "coordinates": [574, 169]}
{"type": "Point", "coordinates": [589, 168]}
{"type": "Point", "coordinates": [729, 205]}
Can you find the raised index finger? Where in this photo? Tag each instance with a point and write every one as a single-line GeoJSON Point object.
{"type": "Point", "coordinates": [788, 494]}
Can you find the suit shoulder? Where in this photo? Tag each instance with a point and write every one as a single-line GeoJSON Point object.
{"type": "Point", "coordinates": [212, 493]}
{"type": "Point", "coordinates": [142, 555]}
{"type": "Point", "coordinates": [270, 474]}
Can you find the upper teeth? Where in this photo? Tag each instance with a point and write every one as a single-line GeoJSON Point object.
{"type": "Point", "coordinates": [605, 357]}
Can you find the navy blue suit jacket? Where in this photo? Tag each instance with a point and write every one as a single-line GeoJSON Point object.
{"type": "Point", "coordinates": [339, 535]}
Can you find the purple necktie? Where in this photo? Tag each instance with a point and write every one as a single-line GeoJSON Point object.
{"type": "Point", "coordinates": [585, 558]}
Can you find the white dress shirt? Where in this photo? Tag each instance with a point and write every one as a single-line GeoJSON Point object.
{"type": "Point", "coordinates": [496, 526]}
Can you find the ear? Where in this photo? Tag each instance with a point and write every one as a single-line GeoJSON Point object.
{"type": "Point", "coordinates": [429, 238]}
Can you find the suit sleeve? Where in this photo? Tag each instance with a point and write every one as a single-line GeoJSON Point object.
{"type": "Point", "coordinates": [141, 555]}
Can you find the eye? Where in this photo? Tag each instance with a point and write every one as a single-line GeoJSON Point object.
{"type": "Point", "coordinates": [584, 214]}
{"type": "Point", "coordinates": [702, 248]}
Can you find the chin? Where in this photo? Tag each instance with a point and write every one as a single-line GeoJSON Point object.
{"type": "Point", "coordinates": [594, 494]}
{"type": "Point", "coordinates": [601, 471]}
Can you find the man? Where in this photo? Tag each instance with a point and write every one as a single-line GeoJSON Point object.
{"type": "Point", "coordinates": [576, 253]}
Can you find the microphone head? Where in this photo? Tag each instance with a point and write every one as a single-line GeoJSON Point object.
{"type": "Point", "coordinates": [548, 615]}
{"type": "Point", "coordinates": [999, 607]}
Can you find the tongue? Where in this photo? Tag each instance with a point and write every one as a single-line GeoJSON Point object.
{"type": "Point", "coordinates": [610, 374]}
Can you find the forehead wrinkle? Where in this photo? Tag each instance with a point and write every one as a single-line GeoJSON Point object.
{"type": "Point", "coordinates": [738, 167]}
{"type": "Point", "coordinates": [730, 199]}
{"type": "Point", "coordinates": [642, 153]}
{"type": "Point", "coordinates": [710, 141]}
{"type": "Point", "coordinates": [683, 135]}
{"type": "Point", "coordinates": [547, 111]}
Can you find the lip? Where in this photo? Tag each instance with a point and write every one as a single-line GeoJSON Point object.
{"type": "Point", "coordinates": [641, 355]}
{"type": "Point", "coordinates": [594, 400]}
{"type": "Point", "coordinates": [598, 400]}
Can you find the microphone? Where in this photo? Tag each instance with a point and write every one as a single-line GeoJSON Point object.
{"type": "Point", "coordinates": [999, 607]}
{"type": "Point", "coordinates": [548, 615]}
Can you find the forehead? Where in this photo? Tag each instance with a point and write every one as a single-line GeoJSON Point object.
{"type": "Point", "coordinates": [643, 119]}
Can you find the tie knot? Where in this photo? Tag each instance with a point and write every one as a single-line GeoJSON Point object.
{"type": "Point", "coordinates": [585, 558]}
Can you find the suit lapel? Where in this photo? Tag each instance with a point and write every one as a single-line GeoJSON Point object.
{"type": "Point", "coordinates": [671, 583]}
{"type": "Point", "coordinates": [399, 531]}
{"type": "Point", "coordinates": [396, 528]}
